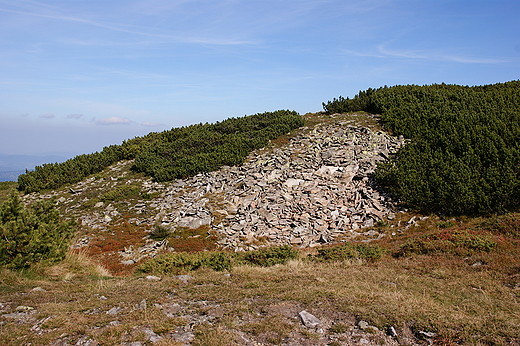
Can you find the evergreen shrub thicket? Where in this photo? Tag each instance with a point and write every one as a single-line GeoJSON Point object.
{"type": "Point", "coordinates": [464, 153]}
{"type": "Point", "coordinates": [458, 242]}
{"type": "Point", "coordinates": [176, 153]}
{"type": "Point", "coordinates": [349, 251]}
{"type": "Point", "coordinates": [182, 262]}
{"type": "Point", "coordinates": [268, 256]}
{"type": "Point", "coordinates": [32, 234]}
{"type": "Point", "coordinates": [55, 175]}
{"type": "Point", "coordinates": [186, 151]}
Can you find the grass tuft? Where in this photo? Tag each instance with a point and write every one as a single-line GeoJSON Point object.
{"type": "Point", "coordinates": [77, 263]}
{"type": "Point", "coordinates": [210, 336]}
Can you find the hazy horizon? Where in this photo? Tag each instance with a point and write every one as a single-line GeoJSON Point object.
{"type": "Point", "coordinates": [80, 76]}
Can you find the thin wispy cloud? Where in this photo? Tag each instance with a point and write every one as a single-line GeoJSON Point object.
{"type": "Point", "coordinates": [74, 116]}
{"type": "Point", "coordinates": [138, 74]}
{"type": "Point", "coordinates": [108, 43]}
{"type": "Point", "coordinates": [436, 56]}
{"type": "Point", "coordinates": [470, 60]}
{"type": "Point", "coordinates": [147, 124]}
{"type": "Point", "coordinates": [363, 54]}
{"type": "Point", "coordinates": [142, 31]}
{"type": "Point", "coordinates": [409, 54]}
{"type": "Point", "coordinates": [114, 121]}
{"type": "Point", "coordinates": [47, 116]}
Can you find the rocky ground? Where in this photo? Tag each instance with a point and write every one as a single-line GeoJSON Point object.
{"type": "Point", "coordinates": [158, 311]}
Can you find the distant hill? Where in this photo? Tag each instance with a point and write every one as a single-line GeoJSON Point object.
{"type": "Point", "coordinates": [10, 176]}
{"type": "Point", "coordinates": [11, 166]}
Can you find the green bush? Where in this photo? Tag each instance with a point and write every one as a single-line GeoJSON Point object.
{"type": "Point", "coordinates": [464, 154]}
{"type": "Point", "coordinates": [445, 224]}
{"type": "Point", "coordinates": [474, 242]}
{"type": "Point", "coordinates": [458, 242]}
{"type": "Point", "coordinates": [186, 151]}
{"type": "Point", "coordinates": [160, 232]}
{"type": "Point", "coordinates": [268, 256]}
{"type": "Point", "coordinates": [7, 185]}
{"type": "Point", "coordinates": [33, 234]}
{"type": "Point", "coordinates": [349, 251]}
{"type": "Point", "coordinates": [425, 247]}
{"type": "Point", "coordinates": [121, 192]}
{"type": "Point", "coordinates": [182, 262]}
{"type": "Point", "coordinates": [55, 175]}
{"type": "Point", "coordinates": [218, 261]}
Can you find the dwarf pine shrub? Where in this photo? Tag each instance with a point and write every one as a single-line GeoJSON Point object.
{"type": "Point", "coordinates": [121, 192]}
{"type": "Point", "coordinates": [32, 234]}
{"type": "Point", "coordinates": [268, 256]}
{"type": "Point", "coordinates": [349, 251]}
{"type": "Point", "coordinates": [464, 149]}
{"type": "Point", "coordinates": [183, 262]}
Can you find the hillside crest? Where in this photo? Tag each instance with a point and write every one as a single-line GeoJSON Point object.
{"type": "Point", "coordinates": [315, 188]}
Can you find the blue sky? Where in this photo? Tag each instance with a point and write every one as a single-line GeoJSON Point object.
{"type": "Point", "coordinates": [76, 76]}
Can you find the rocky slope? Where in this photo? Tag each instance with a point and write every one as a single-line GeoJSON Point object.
{"type": "Point", "coordinates": [316, 188]}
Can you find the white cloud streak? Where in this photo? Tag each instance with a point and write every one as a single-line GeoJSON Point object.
{"type": "Point", "coordinates": [119, 27]}
{"type": "Point", "coordinates": [74, 116]}
{"type": "Point", "coordinates": [47, 116]}
{"type": "Point", "coordinates": [432, 55]}
{"type": "Point", "coordinates": [151, 124]}
{"type": "Point", "coordinates": [114, 121]}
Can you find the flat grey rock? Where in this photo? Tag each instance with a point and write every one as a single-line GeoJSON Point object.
{"type": "Point", "coordinates": [309, 320]}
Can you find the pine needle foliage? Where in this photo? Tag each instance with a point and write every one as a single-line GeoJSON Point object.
{"type": "Point", "coordinates": [32, 234]}
{"type": "Point", "coordinates": [186, 151]}
{"type": "Point", "coordinates": [55, 175]}
{"type": "Point", "coordinates": [464, 153]}
{"type": "Point", "coordinates": [183, 262]}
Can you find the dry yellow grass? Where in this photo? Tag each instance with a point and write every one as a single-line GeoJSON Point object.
{"type": "Point", "coordinates": [448, 296]}
{"type": "Point", "coordinates": [76, 263]}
